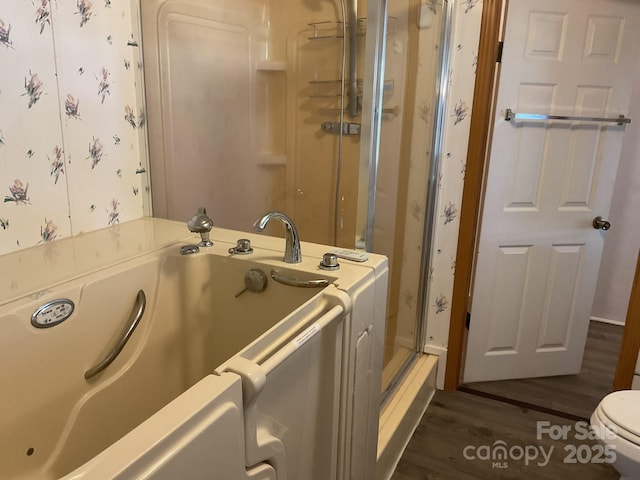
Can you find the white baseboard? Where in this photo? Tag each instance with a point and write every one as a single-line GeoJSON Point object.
{"type": "Point", "coordinates": [606, 320]}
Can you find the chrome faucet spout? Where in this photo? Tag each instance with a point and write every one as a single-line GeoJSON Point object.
{"type": "Point", "coordinates": [292, 253]}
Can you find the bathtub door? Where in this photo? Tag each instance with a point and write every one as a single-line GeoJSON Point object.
{"type": "Point", "coordinates": [199, 435]}
{"type": "Point", "coordinates": [294, 394]}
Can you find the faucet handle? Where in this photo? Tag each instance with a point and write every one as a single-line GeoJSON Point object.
{"type": "Point", "coordinates": [202, 224]}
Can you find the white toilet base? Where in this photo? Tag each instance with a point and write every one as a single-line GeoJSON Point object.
{"type": "Point", "coordinates": [627, 460]}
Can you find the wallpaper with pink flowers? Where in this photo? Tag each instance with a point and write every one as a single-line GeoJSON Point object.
{"type": "Point", "coordinates": [71, 137]}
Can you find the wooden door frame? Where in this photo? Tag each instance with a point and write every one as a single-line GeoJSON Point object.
{"type": "Point", "coordinates": [482, 109]}
{"type": "Point", "coordinates": [480, 128]}
{"type": "Point", "coordinates": [630, 338]}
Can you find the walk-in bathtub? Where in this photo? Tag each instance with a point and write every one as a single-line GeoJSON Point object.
{"type": "Point", "coordinates": [281, 382]}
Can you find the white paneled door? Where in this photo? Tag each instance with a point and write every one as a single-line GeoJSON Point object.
{"type": "Point", "coordinates": [538, 253]}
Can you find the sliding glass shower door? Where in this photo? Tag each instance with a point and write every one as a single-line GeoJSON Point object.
{"type": "Point", "coordinates": [401, 205]}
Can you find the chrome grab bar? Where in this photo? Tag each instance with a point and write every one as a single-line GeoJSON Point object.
{"type": "Point", "coordinates": [511, 115]}
{"type": "Point", "coordinates": [134, 319]}
{"type": "Point", "coordinates": [296, 282]}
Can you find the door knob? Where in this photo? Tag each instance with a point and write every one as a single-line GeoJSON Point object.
{"type": "Point", "coordinates": [599, 223]}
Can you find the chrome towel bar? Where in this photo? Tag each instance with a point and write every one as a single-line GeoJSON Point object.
{"type": "Point", "coordinates": [134, 319]}
{"type": "Point", "coordinates": [511, 115]}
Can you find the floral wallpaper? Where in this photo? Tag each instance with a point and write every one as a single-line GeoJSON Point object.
{"type": "Point", "coordinates": [463, 59]}
{"type": "Point", "coordinates": [71, 143]}
{"type": "Point", "coordinates": [420, 161]}
{"type": "Point", "coordinates": [462, 69]}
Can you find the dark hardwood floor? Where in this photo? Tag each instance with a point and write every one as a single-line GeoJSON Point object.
{"type": "Point", "coordinates": [575, 396]}
{"type": "Point", "coordinates": [460, 429]}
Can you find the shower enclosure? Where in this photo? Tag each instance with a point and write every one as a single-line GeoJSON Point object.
{"type": "Point", "coordinates": [323, 109]}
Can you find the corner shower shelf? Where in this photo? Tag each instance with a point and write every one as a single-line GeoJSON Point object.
{"type": "Point", "coordinates": [328, 29]}
{"type": "Point", "coordinates": [395, 111]}
{"type": "Point", "coordinates": [331, 88]}
{"type": "Point", "coordinates": [271, 66]}
{"type": "Point", "coordinates": [268, 159]}
{"type": "Point", "coordinates": [328, 82]}
{"type": "Point", "coordinates": [334, 29]}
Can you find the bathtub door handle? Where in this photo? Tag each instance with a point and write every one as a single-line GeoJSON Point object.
{"type": "Point", "coordinates": [296, 282]}
{"type": "Point", "coordinates": [134, 319]}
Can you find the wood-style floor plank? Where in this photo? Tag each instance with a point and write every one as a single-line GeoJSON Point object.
{"type": "Point", "coordinates": [576, 395]}
{"type": "Point", "coordinates": [455, 421]}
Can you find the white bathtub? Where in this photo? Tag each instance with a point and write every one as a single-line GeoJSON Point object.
{"type": "Point", "coordinates": [281, 383]}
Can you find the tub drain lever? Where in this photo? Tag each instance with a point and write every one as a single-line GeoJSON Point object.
{"type": "Point", "coordinates": [255, 280]}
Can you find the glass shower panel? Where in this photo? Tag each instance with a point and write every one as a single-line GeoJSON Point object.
{"type": "Point", "coordinates": [409, 101]}
{"type": "Point", "coordinates": [324, 162]}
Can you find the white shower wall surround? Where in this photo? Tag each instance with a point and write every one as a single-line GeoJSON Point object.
{"type": "Point", "coordinates": [71, 127]}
